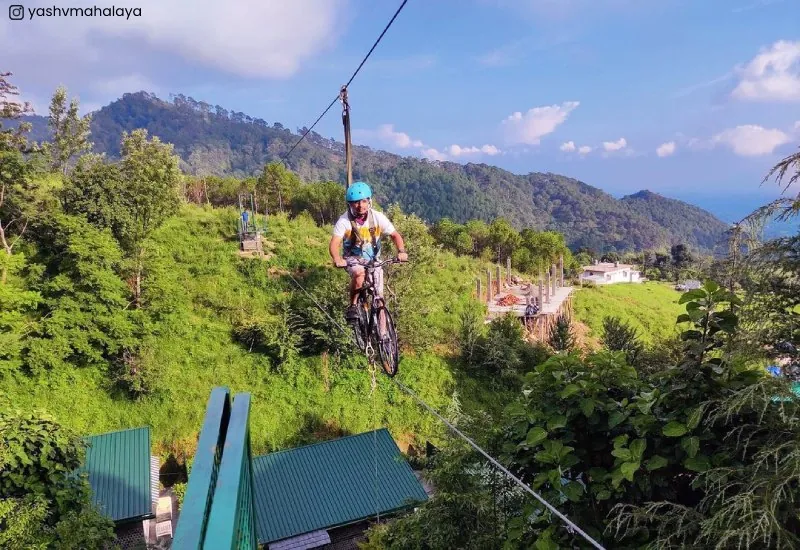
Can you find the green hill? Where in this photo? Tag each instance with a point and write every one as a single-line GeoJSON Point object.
{"type": "Point", "coordinates": [675, 215]}
{"type": "Point", "coordinates": [212, 140]}
{"type": "Point", "coordinates": [221, 319]}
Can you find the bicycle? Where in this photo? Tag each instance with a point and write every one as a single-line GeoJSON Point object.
{"type": "Point", "coordinates": [375, 323]}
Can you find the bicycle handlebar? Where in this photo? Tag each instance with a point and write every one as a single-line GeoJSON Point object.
{"type": "Point", "coordinates": [374, 264]}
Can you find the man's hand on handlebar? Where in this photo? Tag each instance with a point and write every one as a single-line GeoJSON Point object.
{"type": "Point", "coordinates": [402, 256]}
{"type": "Point", "coordinates": [341, 262]}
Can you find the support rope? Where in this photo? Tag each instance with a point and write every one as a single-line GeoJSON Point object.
{"type": "Point", "coordinates": [571, 527]}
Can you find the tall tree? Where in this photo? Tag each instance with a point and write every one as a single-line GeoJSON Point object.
{"type": "Point", "coordinates": [276, 186]}
{"type": "Point", "coordinates": [681, 259]}
{"type": "Point", "coordinates": [70, 130]}
{"type": "Point", "coordinates": [14, 171]}
{"type": "Point", "coordinates": [149, 195]}
{"type": "Point", "coordinates": [773, 272]}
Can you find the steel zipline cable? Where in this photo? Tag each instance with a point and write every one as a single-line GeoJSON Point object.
{"type": "Point", "coordinates": [335, 99]}
{"type": "Point", "coordinates": [570, 525]}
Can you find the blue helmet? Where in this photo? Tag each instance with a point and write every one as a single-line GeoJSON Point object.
{"type": "Point", "coordinates": [359, 190]}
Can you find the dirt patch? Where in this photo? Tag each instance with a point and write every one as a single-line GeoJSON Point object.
{"type": "Point", "coordinates": [583, 339]}
{"type": "Point", "coordinates": [255, 254]}
{"type": "Point", "coordinates": [276, 271]}
{"type": "Point", "coordinates": [407, 444]}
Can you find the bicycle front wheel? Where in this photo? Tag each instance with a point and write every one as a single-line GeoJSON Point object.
{"type": "Point", "coordinates": [387, 341]}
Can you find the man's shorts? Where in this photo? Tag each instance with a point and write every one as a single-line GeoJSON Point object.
{"type": "Point", "coordinates": [353, 268]}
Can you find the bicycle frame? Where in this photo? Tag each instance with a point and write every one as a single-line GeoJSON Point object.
{"type": "Point", "coordinates": [371, 308]}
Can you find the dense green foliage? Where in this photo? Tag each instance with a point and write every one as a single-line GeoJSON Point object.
{"type": "Point", "coordinates": [681, 443]}
{"type": "Point", "coordinates": [41, 504]}
{"type": "Point", "coordinates": [213, 141]}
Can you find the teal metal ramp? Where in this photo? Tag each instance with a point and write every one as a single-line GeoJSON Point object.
{"type": "Point", "coordinates": [233, 502]}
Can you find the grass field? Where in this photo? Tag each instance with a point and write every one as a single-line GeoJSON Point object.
{"type": "Point", "coordinates": [651, 307]}
{"type": "Point", "coordinates": [200, 287]}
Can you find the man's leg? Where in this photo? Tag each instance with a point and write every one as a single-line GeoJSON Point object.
{"type": "Point", "coordinates": [356, 282]}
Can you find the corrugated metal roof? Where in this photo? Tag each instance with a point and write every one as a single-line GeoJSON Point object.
{"type": "Point", "coordinates": [327, 484]}
{"type": "Point", "coordinates": [118, 464]}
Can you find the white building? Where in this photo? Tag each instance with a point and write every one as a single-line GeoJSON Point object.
{"type": "Point", "coordinates": [609, 273]}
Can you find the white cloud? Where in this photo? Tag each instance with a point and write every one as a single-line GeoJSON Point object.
{"type": "Point", "coordinates": [398, 139]}
{"type": "Point", "coordinates": [433, 154]}
{"type": "Point", "coordinates": [387, 134]}
{"type": "Point", "coordinates": [457, 150]}
{"type": "Point", "coordinates": [750, 140]}
{"type": "Point", "coordinates": [621, 143]}
{"type": "Point", "coordinates": [773, 75]}
{"type": "Point", "coordinates": [530, 127]}
{"type": "Point", "coordinates": [568, 147]}
{"type": "Point", "coordinates": [666, 149]}
{"type": "Point", "coordinates": [245, 37]}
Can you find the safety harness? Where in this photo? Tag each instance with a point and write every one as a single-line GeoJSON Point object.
{"type": "Point", "coordinates": [355, 234]}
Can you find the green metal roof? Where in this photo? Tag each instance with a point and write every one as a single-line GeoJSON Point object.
{"type": "Point", "coordinates": [328, 484]}
{"type": "Point", "coordinates": [118, 465]}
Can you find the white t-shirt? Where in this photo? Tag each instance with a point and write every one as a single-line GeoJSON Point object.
{"type": "Point", "coordinates": [343, 229]}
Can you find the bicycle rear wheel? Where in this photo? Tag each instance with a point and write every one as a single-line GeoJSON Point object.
{"type": "Point", "coordinates": [360, 328]}
{"type": "Point", "coordinates": [387, 341]}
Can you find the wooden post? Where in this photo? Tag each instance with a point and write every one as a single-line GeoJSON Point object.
{"type": "Point", "coordinates": [547, 294]}
{"type": "Point", "coordinates": [480, 294]}
{"type": "Point", "coordinates": [499, 280]}
{"type": "Point", "coordinates": [488, 286]}
{"type": "Point", "coordinates": [561, 267]}
{"type": "Point", "coordinates": [541, 293]}
{"type": "Point", "coordinates": [554, 278]}
{"type": "Point", "coordinates": [508, 270]}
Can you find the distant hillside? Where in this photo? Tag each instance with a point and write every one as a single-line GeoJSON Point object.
{"type": "Point", "coordinates": [674, 215]}
{"type": "Point", "coordinates": [212, 140]}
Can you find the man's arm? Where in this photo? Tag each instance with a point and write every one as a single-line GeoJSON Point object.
{"type": "Point", "coordinates": [400, 245]}
{"type": "Point", "coordinates": [333, 248]}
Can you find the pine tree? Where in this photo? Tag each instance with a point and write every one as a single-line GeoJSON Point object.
{"type": "Point", "coordinates": [70, 130]}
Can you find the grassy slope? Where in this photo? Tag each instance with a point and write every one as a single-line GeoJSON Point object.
{"type": "Point", "coordinates": [202, 285]}
{"type": "Point", "coordinates": [651, 307]}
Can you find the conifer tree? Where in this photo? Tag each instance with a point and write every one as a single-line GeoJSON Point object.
{"type": "Point", "coordinates": [70, 130]}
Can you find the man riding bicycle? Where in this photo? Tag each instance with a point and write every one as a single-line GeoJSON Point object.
{"type": "Point", "coordinates": [359, 230]}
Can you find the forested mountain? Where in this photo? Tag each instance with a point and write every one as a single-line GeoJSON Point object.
{"type": "Point", "coordinates": [212, 140]}
{"type": "Point", "coordinates": [674, 215]}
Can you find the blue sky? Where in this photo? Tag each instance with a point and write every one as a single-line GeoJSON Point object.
{"type": "Point", "coordinates": [694, 99]}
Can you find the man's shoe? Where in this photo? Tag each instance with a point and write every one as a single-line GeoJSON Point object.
{"type": "Point", "coordinates": [352, 314]}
